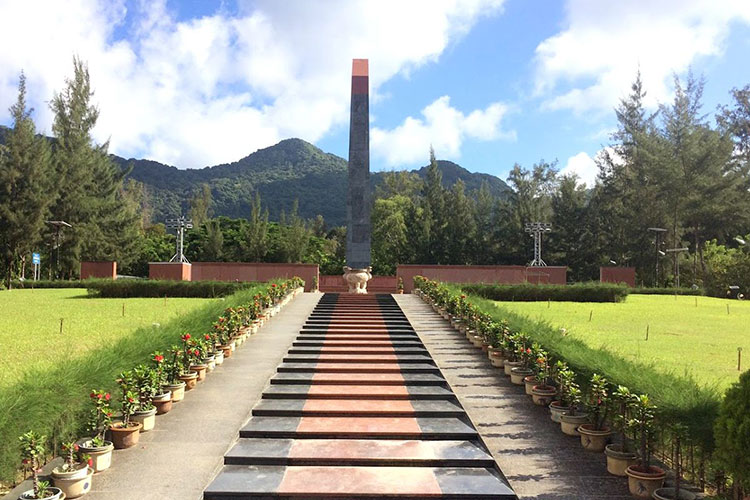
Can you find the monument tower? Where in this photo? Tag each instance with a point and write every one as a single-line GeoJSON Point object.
{"type": "Point", "coordinates": [357, 270]}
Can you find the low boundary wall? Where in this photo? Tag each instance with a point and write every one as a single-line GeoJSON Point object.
{"type": "Point", "coordinates": [98, 269]}
{"type": "Point", "coordinates": [617, 275]}
{"type": "Point", "coordinates": [253, 271]}
{"type": "Point", "coordinates": [556, 275]}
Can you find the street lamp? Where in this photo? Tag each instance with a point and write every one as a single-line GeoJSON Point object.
{"type": "Point", "coordinates": [676, 252]}
{"type": "Point", "coordinates": [659, 231]}
{"type": "Point", "coordinates": [58, 225]}
{"type": "Point", "coordinates": [535, 230]}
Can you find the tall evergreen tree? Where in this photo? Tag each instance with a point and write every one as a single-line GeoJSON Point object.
{"type": "Point", "coordinates": [201, 205]}
{"type": "Point", "coordinates": [295, 235]}
{"type": "Point", "coordinates": [461, 226]}
{"type": "Point", "coordinates": [434, 213]}
{"type": "Point", "coordinates": [24, 186]}
{"type": "Point", "coordinates": [88, 183]}
{"type": "Point", "coordinates": [256, 236]}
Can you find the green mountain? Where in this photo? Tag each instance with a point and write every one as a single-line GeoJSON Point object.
{"type": "Point", "coordinates": [292, 169]}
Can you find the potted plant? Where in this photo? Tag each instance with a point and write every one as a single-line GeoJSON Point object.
{"type": "Point", "coordinates": [573, 418]}
{"type": "Point", "coordinates": [511, 352]}
{"type": "Point", "coordinates": [524, 355]}
{"type": "Point", "coordinates": [495, 351]}
{"type": "Point", "coordinates": [595, 434]}
{"type": "Point", "coordinates": [96, 447]}
{"type": "Point", "coordinates": [32, 458]}
{"type": "Point", "coordinates": [222, 337]}
{"type": "Point", "coordinates": [172, 370]}
{"type": "Point", "coordinates": [73, 477]}
{"type": "Point", "coordinates": [190, 377]}
{"type": "Point", "coordinates": [565, 378]}
{"type": "Point", "coordinates": [194, 358]}
{"type": "Point", "coordinates": [126, 433]}
{"type": "Point", "coordinates": [620, 455]}
{"type": "Point", "coordinates": [146, 385]}
{"type": "Point", "coordinates": [676, 493]}
{"type": "Point", "coordinates": [529, 381]}
{"type": "Point", "coordinates": [643, 478]}
{"type": "Point", "coordinates": [544, 391]}
{"type": "Point", "coordinates": [162, 399]}
{"type": "Point", "coordinates": [400, 284]}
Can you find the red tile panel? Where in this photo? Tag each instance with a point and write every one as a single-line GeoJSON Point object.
{"type": "Point", "coordinates": [359, 481]}
{"type": "Point", "coordinates": [369, 425]}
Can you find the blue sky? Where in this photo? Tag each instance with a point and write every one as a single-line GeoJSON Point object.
{"type": "Point", "coordinates": [487, 83]}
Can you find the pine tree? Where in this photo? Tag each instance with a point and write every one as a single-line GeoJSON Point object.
{"type": "Point", "coordinates": [460, 226]}
{"type": "Point", "coordinates": [200, 205]}
{"type": "Point", "coordinates": [88, 183]}
{"type": "Point", "coordinates": [24, 186]}
{"type": "Point", "coordinates": [256, 236]}
{"type": "Point", "coordinates": [434, 208]}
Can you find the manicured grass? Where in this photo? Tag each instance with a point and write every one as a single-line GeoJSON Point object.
{"type": "Point", "coordinates": [49, 393]}
{"type": "Point", "coordinates": [683, 338]}
{"type": "Point", "coordinates": [30, 325]}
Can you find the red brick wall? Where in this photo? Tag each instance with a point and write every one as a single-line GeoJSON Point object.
{"type": "Point", "coordinates": [617, 275]}
{"type": "Point", "coordinates": [98, 269]}
{"type": "Point", "coordinates": [334, 283]}
{"type": "Point", "coordinates": [176, 271]}
{"type": "Point", "coordinates": [547, 275]}
{"type": "Point", "coordinates": [483, 274]}
{"type": "Point", "coordinates": [247, 271]}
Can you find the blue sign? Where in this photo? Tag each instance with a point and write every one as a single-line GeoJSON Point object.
{"type": "Point", "coordinates": [36, 258]}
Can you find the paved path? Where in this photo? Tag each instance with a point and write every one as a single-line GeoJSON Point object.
{"type": "Point", "coordinates": [181, 455]}
{"type": "Point", "coordinates": [358, 409]}
{"type": "Point", "coordinates": [539, 461]}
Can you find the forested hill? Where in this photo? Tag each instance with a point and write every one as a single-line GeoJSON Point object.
{"type": "Point", "coordinates": [292, 169]}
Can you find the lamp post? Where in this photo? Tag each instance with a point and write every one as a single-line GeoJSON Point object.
{"type": "Point", "coordinates": [676, 252]}
{"type": "Point", "coordinates": [535, 230]}
{"type": "Point", "coordinates": [658, 231]}
{"type": "Point", "coordinates": [58, 225]}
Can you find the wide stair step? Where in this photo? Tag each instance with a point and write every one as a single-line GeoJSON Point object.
{"type": "Point", "coordinates": [358, 409]}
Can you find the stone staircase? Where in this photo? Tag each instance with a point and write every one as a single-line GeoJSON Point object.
{"type": "Point", "coordinates": [358, 409]}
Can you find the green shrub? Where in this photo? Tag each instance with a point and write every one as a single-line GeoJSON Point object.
{"type": "Point", "coordinates": [667, 291]}
{"type": "Point", "coordinates": [51, 283]}
{"type": "Point", "coordinates": [109, 289]}
{"type": "Point", "coordinates": [581, 292]}
{"type": "Point", "coordinates": [733, 432]}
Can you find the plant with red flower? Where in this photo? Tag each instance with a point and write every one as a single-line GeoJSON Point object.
{"type": "Point", "coordinates": [69, 450]}
{"type": "Point", "coordinates": [99, 417]}
{"type": "Point", "coordinates": [129, 398]}
{"type": "Point", "coordinates": [32, 457]}
{"type": "Point", "coordinates": [597, 401]}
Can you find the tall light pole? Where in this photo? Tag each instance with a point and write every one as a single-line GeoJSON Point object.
{"type": "Point", "coordinates": [659, 231]}
{"type": "Point", "coordinates": [535, 230]}
{"type": "Point", "coordinates": [676, 252]}
{"type": "Point", "coordinates": [180, 224]}
{"type": "Point", "coordinates": [58, 225]}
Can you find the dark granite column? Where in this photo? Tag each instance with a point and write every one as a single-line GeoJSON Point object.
{"type": "Point", "coordinates": [358, 195]}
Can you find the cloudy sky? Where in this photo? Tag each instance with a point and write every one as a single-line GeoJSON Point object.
{"type": "Point", "coordinates": [487, 83]}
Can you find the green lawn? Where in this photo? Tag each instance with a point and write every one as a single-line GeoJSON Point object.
{"type": "Point", "coordinates": [683, 337]}
{"type": "Point", "coordinates": [30, 325]}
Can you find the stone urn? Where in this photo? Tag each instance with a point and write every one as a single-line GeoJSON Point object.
{"type": "Point", "coordinates": [357, 279]}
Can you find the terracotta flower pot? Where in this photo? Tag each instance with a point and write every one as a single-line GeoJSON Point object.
{"type": "Point", "coordinates": [542, 395]}
{"type": "Point", "coordinates": [497, 361]}
{"type": "Point", "coordinates": [529, 381]}
{"type": "Point", "coordinates": [642, 483]}
{"type": "Point", "coordinates": [592, 439]}
{"type": "Point", "coordinates": [219, 357]}
{"type": "Point", "coordinates": [556, 410]}
{"type": "Point", "coordinates": [101, 456]}
{"type": "Point", "coordinates": [509, 365]}
{"type": "Point", "coordinates": [618, 460]}
{"type": "Point", "coordinates": [163, 402]}
{"type": "Point", "coordinates": [52, 494]}
{"type": "Point", "coordinates": [190, 380]}
{"type": "Point", "coordinates": [146, 418]}
{"type": "Point", "coordinates": [671, 494]}
{"type": "Point", "coordinates": [226, 350]}
{"type": "Point", "coordinates": [569, 423]}
{"type": "Point", "coordinates": [477, 340]}
{"type": "Point", "coordinates": [517, 375]}
{"type": "Point", "coordinates": [125, 437]}
{"type": "Point", "coordinates": [177, 390]}
{"type": "Point", "coordinates": [200, 370]}
{"type": "Point", "coordinates": [71, 486]}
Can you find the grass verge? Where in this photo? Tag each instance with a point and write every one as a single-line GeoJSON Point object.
{"type": "Point", "coordinates": [53, 400]}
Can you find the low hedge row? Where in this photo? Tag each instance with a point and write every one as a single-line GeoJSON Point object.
{"type": "Point", "coordinates": [50, 283]}
{"type": "Point", "coordinates": [667, 291]}
{"type": "Point", "coordinates": [526, 292]}
{"type": "Point", "coordinates": [110, 289]}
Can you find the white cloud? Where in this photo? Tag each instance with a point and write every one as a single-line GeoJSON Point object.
{"type": "Point", "coordinates": [583, 166]}
{"type": "Point", "coordinates": [592, 62]}
{"type": "Point", "coordinates": [443, 127]}
{"type": "Point", "coordinates": [213, 89]}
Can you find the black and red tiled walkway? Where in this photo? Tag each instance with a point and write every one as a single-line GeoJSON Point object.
{"type": "Point", "coordinates": [358, 409]}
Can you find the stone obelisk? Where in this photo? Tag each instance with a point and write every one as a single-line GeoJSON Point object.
{"type": "Point", "coordinates": [357, 270]}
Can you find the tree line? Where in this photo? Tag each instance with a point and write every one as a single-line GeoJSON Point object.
{"type": "Point", "coordinates": [671, 169]}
